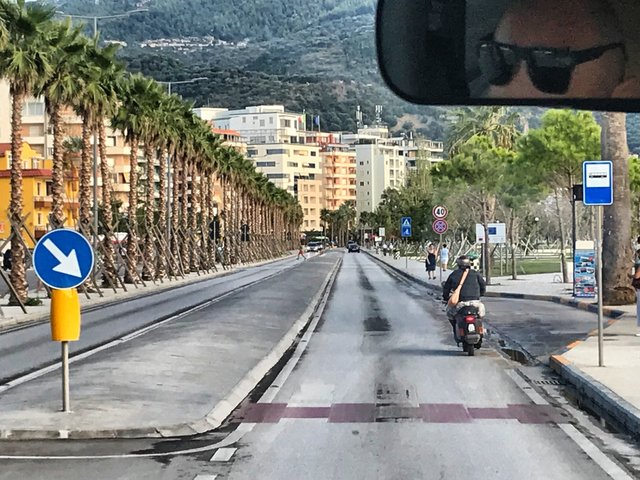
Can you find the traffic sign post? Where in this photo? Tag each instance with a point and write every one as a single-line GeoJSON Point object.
{"type": "Point", "coordinates": [405, 232]}
{"type": "Point", "coordinates": [597, 191]}
{"type": "Point", "coordinates": [64, 259]}
{"type": "Point", "coordinates": [440, 226]}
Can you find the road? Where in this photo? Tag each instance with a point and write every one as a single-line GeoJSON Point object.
{"type": "Point", "coordinates": [376, 390]}
{"type": "Point", "coordinates": [31, 279]}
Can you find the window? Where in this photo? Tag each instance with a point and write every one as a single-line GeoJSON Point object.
{"type": "Point", "coordinates": [308, 165]}
{"type": "Point", "coordinates": [314, 154]}
{"type": "Point", "coordinates": [362, 163]}
{"type": "Point", "coordinates": [35, 163]}
{"type": "Point", "coordinates": [362, 184]}
{"type": "Point", "coordinates": [285, 123]}
{"type": "Point", "coordinates": [111, 141]}
{"type": "Point", "coordinates": [277, 175]}
{"type": "Point", "coordinates": [252, 152]}
{"type": "Point", "coordinates": [306, 199]}
{"type": "Point", "coordinates": [270, 120]}
{"type": "Point", "coordinates": [302, 153]}
{"type": "Point", "coordinates": [38, 189]}
{"type": "Point", "coordinates": [49, 188]}
{"type": "Point", "coordinates": [39, 219]}
{"type": "Point", "coordinates": [277, 151]}
{"type": "Point", "coordinates": [33, 109]}
{"type": "Point", "coordinates": [292, 164]}
{"type": "Point", "coordinates": [262, 123]}
{"type": "Point", "coordinates": [306, 211]}
{"type": "Point", "coordinates": [36, 130]}
{"type": "Point", "coordinates": [265, 164]}
{"type": "Point", "coordinates": [244, 119]}
{"type": "Point", "coordinates": [312, 188]}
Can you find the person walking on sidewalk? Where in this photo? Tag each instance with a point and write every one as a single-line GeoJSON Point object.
{"type": "Point", "coordinates": [301, 252]}
{"type": "Point", "coordinates": [431, 262]}
{"type": "Point", "coordinates": [444, 257]}
{"type": "Point", "coordinates": [636, 284]}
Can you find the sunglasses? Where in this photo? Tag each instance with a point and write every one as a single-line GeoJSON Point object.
{"type": "Point", "coordinates": [550, 69]}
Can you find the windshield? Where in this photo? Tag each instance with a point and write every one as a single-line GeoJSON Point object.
{"type": "Point", "coordinates": [230, 250]}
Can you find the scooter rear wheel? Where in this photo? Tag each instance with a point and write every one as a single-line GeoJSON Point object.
{"type": "Point", "coordinates": [471, 349]}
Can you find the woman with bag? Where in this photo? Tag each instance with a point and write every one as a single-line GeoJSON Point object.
{"type": "Point", "coordinates": [463, 288]}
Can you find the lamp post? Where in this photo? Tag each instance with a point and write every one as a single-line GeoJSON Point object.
{"type": "Point", "coordinates": [168, 84]}
{"type": "Point", "coordinates": [95, 19]}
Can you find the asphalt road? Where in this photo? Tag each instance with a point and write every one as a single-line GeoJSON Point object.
{"type": "Point", "coordinates": [27, 349]}
{"type": "Point", "coordinates": [381, 392]}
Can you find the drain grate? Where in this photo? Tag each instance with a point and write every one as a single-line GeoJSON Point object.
{"type": "Point", "coordinates": [548, 382]}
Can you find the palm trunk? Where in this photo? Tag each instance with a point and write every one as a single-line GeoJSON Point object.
{"type": "Point", "coordinates": [149, 210]}
{"type": "Point", "coordinates": [176, 175]}
{"type": "Point", "coordinates": [18, 274]}
{"type": "Point", "coordinates": [162, 207]}
{"type": "Point", "coordinates": [107, 214]}
{"type": "Point", "coordinates": [194, 262]}
{"type": "Point", "coordinates": [57, 175]}
{"type": "Point", "coordinates": [132, 240]}
{"type": "Point", "coordinates": [617, 254]}
{"type": "Point", "coordinates": [85, 176]}
{"type": "Point", "coordinates": [184, 197]}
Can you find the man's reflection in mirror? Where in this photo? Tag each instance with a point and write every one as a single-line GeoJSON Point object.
{"type": "Point", "coordinates": [555, 48]}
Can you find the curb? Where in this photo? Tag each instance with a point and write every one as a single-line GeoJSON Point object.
{"type": "Point", "coordinates": [568, 302]}
{"type": "Point", "coordinates": [35, 318]}
{"type": "Point", "coordinates": [593, 395]}
{"type": "Point", "coordinates": [216, 417]}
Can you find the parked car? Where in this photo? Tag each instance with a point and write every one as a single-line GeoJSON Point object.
{"type": "Point", "coordinates": [353, 247]}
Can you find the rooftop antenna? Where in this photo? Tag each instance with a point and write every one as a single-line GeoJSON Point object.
{"type": "Point", "coordinates": [378, 115]}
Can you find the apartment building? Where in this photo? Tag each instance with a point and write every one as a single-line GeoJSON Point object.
{"type": "Point", "coordinates": [36, 188]}
{"type": "Point", "coordinates": [339, 175]}
{"type": "Point", "coordinates": [381, 163]}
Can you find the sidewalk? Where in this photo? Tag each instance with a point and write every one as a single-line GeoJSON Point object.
{"type": "Point", "coordinates": [181, 379]}
{"type": "Point", "coordinates": [11, 316]}
{"type": "Point", "coordinates": [610, 391]}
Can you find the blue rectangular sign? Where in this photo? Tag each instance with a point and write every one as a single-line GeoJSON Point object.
{"type": "Point", "coordinates": [405, 231]}
{"type": "Point", "coordinates": [597, 183]}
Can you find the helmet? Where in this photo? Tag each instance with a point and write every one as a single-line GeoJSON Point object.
{"type": "Point", "coordinates": [463, 262]}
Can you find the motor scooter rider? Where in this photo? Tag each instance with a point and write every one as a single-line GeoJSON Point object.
{"type": "Point", "coordinates": [473, 288]}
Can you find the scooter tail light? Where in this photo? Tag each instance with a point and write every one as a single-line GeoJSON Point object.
{"type": "Point", "coordinates": [470, 319]}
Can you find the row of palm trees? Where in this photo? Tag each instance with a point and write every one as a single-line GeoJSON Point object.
{"type": "Point", "coordinates": [43, 57]}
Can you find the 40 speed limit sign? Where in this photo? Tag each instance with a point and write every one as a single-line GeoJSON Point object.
{"type": "Point", "coordinates": [440, 212]}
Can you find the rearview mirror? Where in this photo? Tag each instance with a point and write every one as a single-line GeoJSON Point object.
{"type": "Point", "coordinates": [578, 53]}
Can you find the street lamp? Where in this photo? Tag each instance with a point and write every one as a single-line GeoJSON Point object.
{"type": "Point", "coordinates": [168, 84]}
{"type": "Point", "coordinates": [180, 82]}
{"type": "Point", "coordinates": [95, 19]}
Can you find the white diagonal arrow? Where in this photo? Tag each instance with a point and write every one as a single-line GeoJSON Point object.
{"type": "Point", "coordinates": [68, 263]}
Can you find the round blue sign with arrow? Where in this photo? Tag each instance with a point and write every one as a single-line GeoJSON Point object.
{"type": "Point", "coordinates": [63, 258]}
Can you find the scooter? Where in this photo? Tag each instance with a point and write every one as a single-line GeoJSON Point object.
{"type": "Point", "coordinates": [469, 329]}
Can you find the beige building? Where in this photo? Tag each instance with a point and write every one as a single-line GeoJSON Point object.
{"type": "Point", "coordinates": [339, 175]}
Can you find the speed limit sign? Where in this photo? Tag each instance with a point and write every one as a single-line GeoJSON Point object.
{"type": "Point", "coordinates": [440, 212]}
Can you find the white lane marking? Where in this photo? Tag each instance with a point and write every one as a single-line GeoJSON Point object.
{"type": "Point", "coordinates": [130, 336]}
{"type": "Point", "coordinates": [588, 447]}
{"type": "Point", "coordinates": [231, 439]}
{"type": "Point", "coordinates": [604, 462]}
{"type": "Point", "coordinates": [223, 455]}
{"type": "Point", "coordinates": [205, 477]}
{"type": "Point", "coordinates": [526, 388]}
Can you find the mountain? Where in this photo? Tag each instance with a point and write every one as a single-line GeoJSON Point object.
{"type": "Point", "coordinates": [318, 56]}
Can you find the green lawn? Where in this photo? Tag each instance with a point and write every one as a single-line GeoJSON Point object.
{"type": "Point", "coordinates": [529, 266]}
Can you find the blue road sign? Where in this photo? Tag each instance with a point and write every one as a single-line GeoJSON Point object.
{"type": "Point", "coordinates": [405, 222]}
{"type": "Point", "coordinates": [406, 231]}
{"type": "Point", "coordinates": [597, 183]}
{"type": "Point", "coordinates": [63, 259]}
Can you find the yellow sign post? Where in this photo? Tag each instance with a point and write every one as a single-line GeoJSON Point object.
{"type": "Point", "coordinates": [65, 328]}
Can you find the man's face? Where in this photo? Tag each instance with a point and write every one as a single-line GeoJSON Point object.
{"type": "Point", "coordinates": [569, 24]}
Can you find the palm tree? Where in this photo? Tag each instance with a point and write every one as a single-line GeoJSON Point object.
{"type": "Point", "coordinates": [24, 60]}
{"type": "Point", "coordinates": [60, 89]}
{"type": "Point", "coordinates": [497, 123]}
{"type": "Point", "coordinates": [617, 254]}
{"type": "Point", "coordinates": [131, 120]}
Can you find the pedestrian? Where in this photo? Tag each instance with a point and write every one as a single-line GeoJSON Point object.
{"type": "Point", "coordinates": [444, 257]}
{"type": "Point", "coordinates": [301, 253]}
{"type": "Point", "coordinates": [636, 284]}
{"type": "Point", "coordinates": [431, 262]}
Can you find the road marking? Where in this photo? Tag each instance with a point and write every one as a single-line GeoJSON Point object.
{"type": "Point", "coordinates": [604, 462]}
{"type": "Point", "coordinates": [234, 436]}
{"type": "Point", "coordinates": [223, 455]}
{"type": "Point", "coordinates": [205, 477]}
{"type": "Point", "coordinates": [527, 388]}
